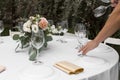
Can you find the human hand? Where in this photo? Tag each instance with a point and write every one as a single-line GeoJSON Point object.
{"type": "Point", "coordinates": [114, 3]}
{"type": "Point", "coordinates": [89, 46]}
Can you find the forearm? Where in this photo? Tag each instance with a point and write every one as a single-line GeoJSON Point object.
{"type": "Point", "coordinates": [111, 26]}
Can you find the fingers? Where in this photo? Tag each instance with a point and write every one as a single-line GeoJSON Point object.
{"type": "Point", "coordinates": [81, 49]}
{"type": "Point", "coordinates": [89, 46]}
{"type": "Point", "coordinates": [84, 49]}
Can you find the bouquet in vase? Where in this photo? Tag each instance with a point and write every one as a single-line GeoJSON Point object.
{"type": "Point", "coordinates": [33, 24]}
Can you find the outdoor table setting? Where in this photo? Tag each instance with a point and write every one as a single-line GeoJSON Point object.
{"type": "Point", "coordinates": [59, 40]}
{"type": "Point", "coordinates": [41, 50]}
{"type": "Point", "coordinates": [99, 64]}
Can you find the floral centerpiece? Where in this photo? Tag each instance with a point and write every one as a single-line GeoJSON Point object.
{"type": "Point", "coordinates": [34, 23]}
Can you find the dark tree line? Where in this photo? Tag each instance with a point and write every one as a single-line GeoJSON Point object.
{"type": "Point", "coordinates": [57, 10]}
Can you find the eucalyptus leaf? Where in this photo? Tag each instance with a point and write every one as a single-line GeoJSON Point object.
{"type": "Point", "coordinates": [45, 44]}
{"type": "Point", "coordinates": [16, 37]}
{"type": "Point", "coordinates": [48, 38]}
{"type": "Point", "coordinates": [33, 54]}
{"type": "Point", "coordinates": [26, 45]}
{"type": "Point", "coordinates": [16, 48]}
{"type": "Point", "coordinates": [24, 41]}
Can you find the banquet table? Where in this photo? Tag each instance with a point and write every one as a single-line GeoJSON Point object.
{"type": "Point", "coordinates": [100, 63]}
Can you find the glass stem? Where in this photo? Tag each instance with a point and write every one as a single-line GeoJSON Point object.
{"type": "Point", "coordinates": [37, 62]}
{"type": "Point", "coordinates": [59, 35]}
{"type": "Point", "coordinates": [37, 55]}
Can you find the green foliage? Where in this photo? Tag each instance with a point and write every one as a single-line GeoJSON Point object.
{"type": "Point", "coordinates": [61, 34]}
{"type": "Point", "coordinates": [24, 42]}
{"type": "Point", "coordinates": [48, 38]}
{"type": "Point", "coordinates": [23, 39]}
{"type": "Point", "coordinates": [32, 53]}
{"type": "Point", "coordinates": [57, 10]}
{"type": "Point", "coordinates": [15, 37]}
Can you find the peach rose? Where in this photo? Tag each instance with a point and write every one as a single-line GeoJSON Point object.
{"type": "Point", "coordinates": [43, 23]}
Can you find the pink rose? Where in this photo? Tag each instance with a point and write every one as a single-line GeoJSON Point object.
{"type": "Point", "coordinates": [43, 23]}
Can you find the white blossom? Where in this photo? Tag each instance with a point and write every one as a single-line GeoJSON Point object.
{"type": "Point", "coordinates": [32, 18]}
{"type": "Point", "coordinates": [36, 23]}
{"type": "Point", "coordinates": [26, 26]}
{"type": "Point", "coordinates": [38, 15]}
{"type": "Point", "coordinates": [55, 31]}
{"type": "Point", "coordinates": [35, 28]}
{"type": "Point", "coordinates": [52, 27]}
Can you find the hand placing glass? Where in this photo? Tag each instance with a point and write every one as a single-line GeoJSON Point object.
{"type": "Point", "coordinates": [37, 41]}
{"type": "Point", "coordinates": [80, 32]}
{"type": "Point", "coordinates": [1, 29]}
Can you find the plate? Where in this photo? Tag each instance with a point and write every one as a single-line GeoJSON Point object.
{"type": "Point", "coordinates": [91, 61]}
{"type": "Point", "coordinates": [38, 72]}
{"type": "Point", "coordinates": [103, 48]}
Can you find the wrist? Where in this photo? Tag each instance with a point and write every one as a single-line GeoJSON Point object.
{"type": "Point", "coordinates": [96, 41]}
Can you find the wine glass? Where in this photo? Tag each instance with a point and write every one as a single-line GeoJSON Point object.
{"type": "Point", "coordinates": [59, 28]}
{"type": "Point", "coordinates": [62, 27]}
{"type": "Point", "coordinates": [101, 10]}
{"type": "Point", "coordinates": [106, 1]}
{"type": "Point", "coordinates": [80, 32]}
{"type": "Point", "coordinates": [1, 29]}
{"type": "Point", "coordinates": [37, 41]}
{"type": "Point", "coordinates": [50, 22]}
{"type": "Point", "coordinates": [20, 26]}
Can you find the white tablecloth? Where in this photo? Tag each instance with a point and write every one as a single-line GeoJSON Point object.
{"type": "Point", "coordinates": [102, 63]}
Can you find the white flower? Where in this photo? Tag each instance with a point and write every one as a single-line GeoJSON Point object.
{"type": "Point", "coordinates": [55, 31]}
{"type": "Point", "coordinates": [26, 26]}
{"type": "Point", "coordinates": [36, 23]}
{"type": "Point", "coordinates": [26, 29]}
{"type": "Point", "coordinates": [35, 28]}
{"type": "Point", "coordinates": [38, 15]}
{"type": "Point", "coordinates": [29, 23]}
{"type": "Point", "coordinates": [32, 18]}
{"type": "Point", "coordinates": [52, 27]}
